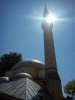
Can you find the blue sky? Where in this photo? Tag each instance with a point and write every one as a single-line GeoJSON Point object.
{"type": "Point", "coordinates": [20, 31]}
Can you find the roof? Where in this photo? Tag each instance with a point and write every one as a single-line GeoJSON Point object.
{"type": "Point", "coordinates": [23, 88]}
{"type": "Point", "coordinates": [29, 63]}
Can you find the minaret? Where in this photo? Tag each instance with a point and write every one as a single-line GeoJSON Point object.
{"type": "Point", "coordinates": [52, 79]}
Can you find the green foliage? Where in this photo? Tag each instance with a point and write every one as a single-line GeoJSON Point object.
{"type": "Point", "coordinates": [69, 87]}
{"type": "Point", "coordinates": [7, 61]}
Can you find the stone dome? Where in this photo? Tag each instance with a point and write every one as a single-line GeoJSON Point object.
{"type": "Point", "coordinates": [4, 79]}
{"type": "Point", "coordinates": [23, 75]}
{"type": "Point", "coordinates": [29, 63]}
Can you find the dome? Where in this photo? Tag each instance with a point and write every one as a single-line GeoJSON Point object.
{"type": "Point", "coordinates": [4, 79]}
{"type": "Point", "coordinates": [29, 63]}
{"type": "Point", "coordinates": [23, 75]}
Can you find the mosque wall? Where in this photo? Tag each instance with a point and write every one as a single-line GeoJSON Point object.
{"type": "Point", "coordinates": [9, 74]}
{"type": "Point", "coordinates": [33, 71]}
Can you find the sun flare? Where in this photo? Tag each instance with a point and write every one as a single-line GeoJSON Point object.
{"type": "Point", "coordinates": [51, 19]}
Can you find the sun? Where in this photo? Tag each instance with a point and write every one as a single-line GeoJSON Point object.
{"type": "Point", "coordinates": [51, 18]}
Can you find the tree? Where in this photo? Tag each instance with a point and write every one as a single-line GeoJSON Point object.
{"type": "Point", "coordinates": [7, 61]}
{"type": "Point", "coordinates": [69, 88]}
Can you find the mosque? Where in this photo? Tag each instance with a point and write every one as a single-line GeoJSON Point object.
{"type": "Point", "coordinates": [32, 79]}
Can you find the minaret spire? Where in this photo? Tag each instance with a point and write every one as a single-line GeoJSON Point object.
{"type": "Point", "coordinates": [45, 13]}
